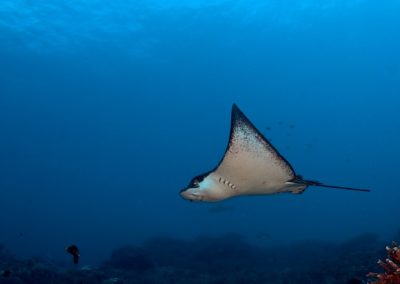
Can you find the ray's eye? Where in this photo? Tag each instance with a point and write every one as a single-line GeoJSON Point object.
{"type": "Point", "coordinates": [197, 180]}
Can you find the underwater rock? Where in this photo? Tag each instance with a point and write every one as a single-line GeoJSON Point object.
{"type": "Point", "coordinates": [130, 258]}
{"type": "Point", "coordinates": [166, 251]}
{"type": "Point", "coordinates": [362, 242]}
{"type": "Point", "coordinates": [113, 280]}
{"type": "Point", "coordinates": [5, 255]}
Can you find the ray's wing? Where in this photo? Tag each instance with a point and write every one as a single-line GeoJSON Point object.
{"type": "Point", "coordinates": [250, 162]}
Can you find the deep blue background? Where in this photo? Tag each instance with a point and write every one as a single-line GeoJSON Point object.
{"type": "Point", "coordinates": [107, 110]}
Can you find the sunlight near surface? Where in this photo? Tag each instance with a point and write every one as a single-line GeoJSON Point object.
{"type": "Point", "coordinates": [46, 25]}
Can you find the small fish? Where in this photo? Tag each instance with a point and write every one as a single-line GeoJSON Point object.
{"type": "Point", "coordinates": [6, 273]}
{"type": "Point", "coordinates": [74, 251]}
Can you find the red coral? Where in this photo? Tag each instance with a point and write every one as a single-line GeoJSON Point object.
{"type": "Point", "coordinates": [391, 267]}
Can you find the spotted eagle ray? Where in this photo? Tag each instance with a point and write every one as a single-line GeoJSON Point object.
{"type": "Point", "coordinates": [250, 166]}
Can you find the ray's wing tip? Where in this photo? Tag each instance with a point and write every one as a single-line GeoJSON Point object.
{"type": "Point", "coordinates": [236, 112]}
{"type": "Point", "coordinates": [234, 107]}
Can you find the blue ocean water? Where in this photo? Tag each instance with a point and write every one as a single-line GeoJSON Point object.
{"type": "Point", "coordinates": [109, 108]}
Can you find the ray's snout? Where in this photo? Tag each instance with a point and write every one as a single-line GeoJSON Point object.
{"type": "Point", "coordinates": [182, 193]}
{"type": "Point", "coordinates": [190, 194]}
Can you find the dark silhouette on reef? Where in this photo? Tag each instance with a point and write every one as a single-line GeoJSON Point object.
{"type": "Point", "coordinates": [74, 251]}
{"type": "Point", "coordinates": [6, 273]}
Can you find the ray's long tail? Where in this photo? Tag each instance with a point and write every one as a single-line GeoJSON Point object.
{"type": "Point", "coordinates": [320, 184]}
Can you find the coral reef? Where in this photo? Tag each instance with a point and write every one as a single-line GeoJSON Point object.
{"type": "Point", "coordinates": [226, 259]}
{"type": "Point", "coordinates": [391, 267]}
